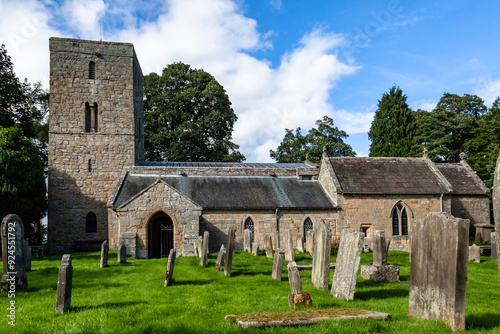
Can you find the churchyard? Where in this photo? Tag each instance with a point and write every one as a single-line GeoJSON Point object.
{"type": "Point", "coordinates": [131, 297]}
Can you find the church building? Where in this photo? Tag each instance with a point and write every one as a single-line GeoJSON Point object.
{"type": "Point", "coordinates": [101, 187]}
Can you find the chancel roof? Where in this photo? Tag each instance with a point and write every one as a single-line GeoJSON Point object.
{"type": "Point", "coordinates": [463, 180]}
{"type": "Point", "coordinates": [185, 164]}
{"type": "Point", "coordinates": [234, 192]}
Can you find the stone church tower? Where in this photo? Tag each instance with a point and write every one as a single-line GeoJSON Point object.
{"type": "Point", "coordinates": [96, 130]}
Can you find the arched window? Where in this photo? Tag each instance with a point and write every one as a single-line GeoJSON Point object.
{"type": "Point", "coordinates": [94, 116]}
{"type": "Point", "coordinates": [91, 70]}
{"type": "Point", "coordinates": [399, 220]}
{"type": "Point", "coordinates": [88, 117]}
{"type": "Point", "coordinates": [91, 223]}
{"type": "Point", "coordinates": [308, 226]}
{"type": "Point", "coordinates": [249, 226]}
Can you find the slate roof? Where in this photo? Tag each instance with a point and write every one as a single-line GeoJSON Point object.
{"type": "Point", "coordinates": [219, 164]}
{"type": "Point", "coordinates": [387, 176]}
{"type": "Point", "coordinates": [235, 192]}
{"type": "Point", "coordinates": [463, 180]}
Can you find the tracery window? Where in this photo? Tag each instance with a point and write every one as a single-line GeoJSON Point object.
{"type": "Point", "coordinates": [399, 220]}
{"type": "Point", "coordinates": [248, 225]}
{"type": "Point", "coordinates": [308, 226]}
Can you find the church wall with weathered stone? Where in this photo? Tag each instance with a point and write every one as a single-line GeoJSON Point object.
{"type": "Point", "coordinates": [475, 208]}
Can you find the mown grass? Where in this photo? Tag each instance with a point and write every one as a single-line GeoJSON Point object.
{"type": "Point", "coordinates": [130, 298]}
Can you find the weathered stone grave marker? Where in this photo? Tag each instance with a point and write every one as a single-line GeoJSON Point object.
{"type": "Point", "coordinates": [379, 270]}
{"type": "Point", "coordinates": [247, 240]}
{"type": "Point", "coordinates": [229, 251]}
{"type": "Point", "coordinates": [220, 258]}
{"type": "Point", "coordinates": [483, 233]}
{"type": "Point", "coordinates": [269, 246]}
{"type": "Point", "coordinates": [122, 254]}
{"type": "Point", "coordinates": [64, 284]}
{"type": "Point", "coordinates": [347, 265]}
{"type": "Point", "coordinates": [14, 272]}
{"type": "Point", "coordinates": [170, 267]}
{"type": "Point", "coordinates": [204, 249]}
{"type": "Point", "coordinates": [289, 256]}
{"type": "Point", "coordinates": [300, 243]}
{"type": "Point", "coordinates": [297, 296]}
{"type": "Point", "coordinates": [474, 254]}
{"type": "Point", "coordinates": [278, 264]}
{"type": "Point", "coordinates": [309, 242]}
{"type": "Point", "coordinates": [276, 239]}
{"type": "Point", "coordinates": [438, 278]}
{"type": "Point", "coordinates": [200, 246]}
{"type": "Point", "coordinates": [321, 257]}
{"type": "Point", "coordinates": [494, 246]}
{"type": "Point", "coordinates": [104, 254]}
{"type": "Point", "coordinates": [255, 248]}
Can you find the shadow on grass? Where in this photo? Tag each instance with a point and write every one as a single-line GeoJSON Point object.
{"type": "Point", "coordinates": [191, 282]}
{"type": "Point", "coordinates": [77, 309]}
{"type": "Point", "coordinates": [483, 321]}
{"type": "Point", "coordinates": [382, 293]}
{"type": "Point", "coordinates": [243, 272]}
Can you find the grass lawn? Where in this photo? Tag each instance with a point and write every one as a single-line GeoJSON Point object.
{"type": "Point", "coordinates": [130, 298]}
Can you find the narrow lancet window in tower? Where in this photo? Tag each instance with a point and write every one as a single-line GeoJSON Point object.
{"type": "Point", "coordinates": [88, 117]}
{"type": "Point", "coordinates": [91, 70]}
{"type": "Point", "coordinates": [94, 116]}
{"type": "Point", "coordinates": [90, 165]}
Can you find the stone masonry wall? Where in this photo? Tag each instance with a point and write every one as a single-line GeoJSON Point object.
{"type": "Point", "coordinates": [475, 208]}
{"type": "Point", "coordinates": [84, 167]}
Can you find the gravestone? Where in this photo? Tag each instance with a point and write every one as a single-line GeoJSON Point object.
{"type": "Point", "coordinates": [379, 270]}
{"type": "Point", "coordinates": [14, 272]}
{"type": "Point", "coordinates": [64, 284]}
{"type": "Point", "coordinates": [289, 256]}
{"type": "Point", "coordinates": [300, 243]}
{"type": "Point", "coordinates": [309, 242]}
{"type": "Point", "coordinates": [255, 248]}
{"type": "Point", "coordinates": [276, 239]}
{"type": "Point", "coordinates": [294, 277]}
{"type": "Point", "coordinates": [129, 239]}
{"type": "Point", "coordinates": [247, 240]}
{"type": "Point", "coordinates": [204, 249]}
{"type": "Point", "coordinates": [27, 255]}
{"type": "Point", "coordinates": [347, 265]}
{"type": "Point", "coordinates": [220, 258]}
{"type": "Point", "coordinates": [104, 254]}
{"type": "Point", "coordinates": [438, 279]}
{"type": "Point", "coordinates": [494, 246]}
{"type": "Point", "coordinates": [496, 207]}
{"type": "Point", "coordinates": [200, 246]}
{"type": "Point", "coordinates": [229, 251]}
{"type": "Point", "coordinates": [483, 233]}
{"type": "Point", "coordinates": [379, 248]}
{"type": "Point", "coordinates": [122, 254]}
{"type": "Point", "coordinates": [474, 254]}
{"type": "Point", "coordinates": [278, 264]}
{"type": "Point", "coordinates": [170, 267]}
{"type": "Point", "coordinates": [269, 246]}
{"type": "Point", "coordinates": [321, 257]}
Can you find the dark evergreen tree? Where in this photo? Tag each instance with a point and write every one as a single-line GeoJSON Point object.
{"type": "Point", "coordinates": [188, 117]}
{"type": "Point", "coordinates": [393, 128]}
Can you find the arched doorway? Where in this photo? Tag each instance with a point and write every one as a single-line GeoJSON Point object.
{"type": "Point", "coordinates": [160, 235]}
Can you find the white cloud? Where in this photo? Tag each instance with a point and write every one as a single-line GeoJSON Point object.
{"type": "Point", "coordinates": [84, 17]}
{"type": "Point", "coordinates": [488, 90]}
{"type": "Point", "coordinates": [425, 105]}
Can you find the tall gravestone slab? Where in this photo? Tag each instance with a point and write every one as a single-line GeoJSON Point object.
{"type": "Point", "coordinates": [276, 239]}
{"type": "Point", "coordinates": [347, 265]}
{"type": "Point", "coordinates": [200, 246]}
{"type": "Point", "coordinates": [300, 243]}
{"type": "Point", "coordinates": [255, 248]}
{"type": "Point", "coordinates": [309, 242]}
{"type": "Point", "coordinates": [474, 254]}
{"type": "Point", "coordinates": [438, 279]}
{"type": "Point", "coordinates": [13, 258]}
{"type": "Point", "coordinates": [321, 257]}
{"type": "Point", "coordinates": [494, 255]}
{"type": "Point", "coordinates": [170, 267]}
{"type": "Point", "coordinates": [496, 207]}
{"type": "Point", "coordinates": [64, 284]}
{"type": "Point", "coordinates": [104, 254]}
{"type": "Point", "coordinates": [231, 230]}
{"type": "Point", "coordinates": [247, 240]}
{"type": "Point", "coordinates": [379, 248]}
{"type": "Point", "coordinates": [278, 264]}
{"type": "Point", "coordinates": [268, 246]}
{"type": "Point", "coordinates": [204, 249]}
{"type": "Point", "coordinates": [220, 258]}
{"type": "Point", "coordinates": [289, 256]}
{"type": "Point", "coordinates": [122, 254]}
{"type": "Point", "coordinates": [294, 277]}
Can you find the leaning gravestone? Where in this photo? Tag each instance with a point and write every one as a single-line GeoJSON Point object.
{"type": "Point", "coordinates": [64, 283]}
{"type": "Point", "coordinates": [494, 246]}
{"type": "Point", "coordinates": [220, 258]}
{"type": "Point", "coordinates": [27, 255]}
{"type": "Point", "coordinates": [300, 243]}
{"type": "Point", "coordinates": [204, 250]}
{"type": "Point", "coordinates": [309, 242]}
{"type": "Point", "coordinates": [122, 254]}
{"type": "Point", "coordinates": [347, 265]}
{"type": "Point", "coordinates": [438, 280]}
{"type": "Point", "coordinates": [289, 256]}
{"type": "Point", "coordinates": [321, 258]}
{"type": "Point", "coordinates": [104, 254]}
{"type": "Point", "coordinates": [496, 207]}
{"type": "Point", "coordinates": [474, 254]}
{"type": "Point", "coordinates": [14, 272]}
{"type": "Point", "coordinates": [294, 277]}
{"type": "Point", "coordinates": [229, 251]}
{"type": "Point", "coordinates": [247, 240]}
{"type": "Point", "coordinates": [278, 264]}
{"type": "Point", "coordinates": [170, 267]}
{"type": "Point", "coordinates": [269, 246]}
{"type": "Point", "coordinates": [255, 248]}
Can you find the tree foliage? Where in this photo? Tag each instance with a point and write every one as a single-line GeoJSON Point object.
{"type": "Point", "coordinates": [188, 117]}
{"type": "Point", "coordinates": [394, 126]}
{"type": "Point", "coordinates": [296, 148]}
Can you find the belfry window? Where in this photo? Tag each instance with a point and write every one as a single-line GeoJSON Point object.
{"type": "Point", "coordinates": [91, 223]}
{"type": "Point", "coordinates": [94, 116]}
{"type": "Point", "coordinates": [248, 225]}
{"type": "Point", "coordinates": [88, 117]}
{"type": "Point", "coordinates": [399, 220]}
{"type": "Point", "coordinates": [308, 226]}
{"type": "Point", "coordinates": [91, 70]}
{"type": "Point", "coordinates": [91, 114]}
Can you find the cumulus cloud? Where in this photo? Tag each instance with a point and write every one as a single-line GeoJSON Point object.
{"type": "Point", "coordinates": [83, 17]}
{"type": "Point", "coordinates": [488, 90]}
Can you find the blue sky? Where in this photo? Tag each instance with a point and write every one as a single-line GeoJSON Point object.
{"type": "Point", "coordinates": [283, 63]}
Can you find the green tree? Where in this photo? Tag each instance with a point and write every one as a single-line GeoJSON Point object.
{"type": "Point", "coordinates": [446, 130]}
{"type": "Point", "coordinates": [296, 148]}
{"type": "Point", "coordinates": [22, 180]}
{"type": "Point", "coordinates": [394, 126]}
{"type": "Point", "coordinates": [188, 117]}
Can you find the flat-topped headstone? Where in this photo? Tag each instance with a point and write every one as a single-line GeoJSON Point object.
{"type": "Point", "coordinates": [170, 267]}
{"type": "Point", "coordinates": [321, 257]}
{"type": "Point", "coordinates": [64, 284]}
{"type": "Point", "coordinates": [122, 254]}
{"type": "Point", "coordinates": [268, 246]}
{"type": "Point", "coordinates": [200, 246]}
{"type": "Point", "coordinates": [309, 242]}
{"type": "Point", "coordinates": [289, 256]}
{"type": "Point", "coordinates": [493, 237]}
{"type": "Point", "coordinates": [229, 251]}
{"type": "Point", "coordinates": [379, 248]}
{"type": "Point", "coordinates": [483, 233]}
{"type": "Point", "coordinates": [496, 207]}
{"type": "Point", "coordinates": [104, 254]}
{"type": "Point", "coordinates": [300, 243]}
{"type": "Point", "coordinates": [220, 258]}
{"type": "Point", "coordinates": [276, 239]}
{"type": "Point", "coordinates": [347, 264]}
{"type": "Point", "coordinates": [14, 272]}
{"type": "Point", "coordinates": [255, 248]}
{"type": "Point", "coordinates": [204, 249]}
{"type": "Point", "coordinates": [247, 240]}
{"type": "Point", "coordinates": [27, 255]}
{"type": "Point", "coordinates": [475, 254]}
{"type": "Point", "coordinates": [438, 279]}
{"type": "Point", "coordinates": [294, 277]}
{"type": "Point", "coordinates": [278, 264]}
